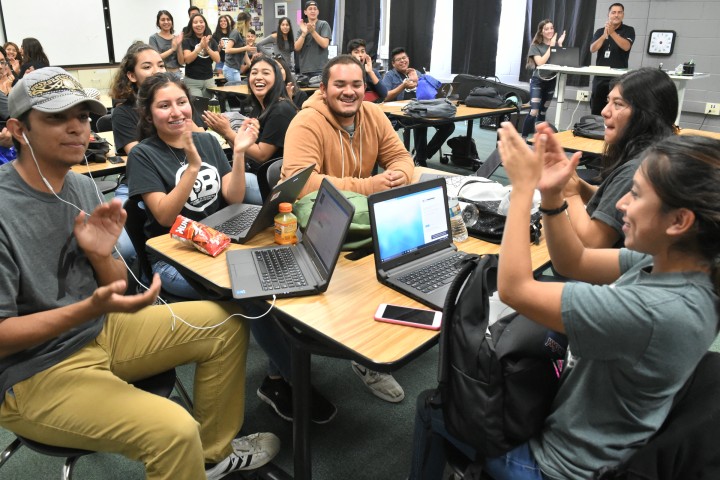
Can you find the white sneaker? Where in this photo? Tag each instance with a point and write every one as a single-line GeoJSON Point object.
{"type": "Point", "coordinates": [249, 453]}
{"type": "Point", "coordinates": [382, 385]}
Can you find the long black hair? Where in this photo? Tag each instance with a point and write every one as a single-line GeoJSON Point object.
{"type": "Point", "coordinates": [653, 98]}
{"type": "Point", "coordinates": [276, 94]}
{"type": "Point", "coordinates": [122, 88]}
{"type": "Point", "coordinates": [287, 46]}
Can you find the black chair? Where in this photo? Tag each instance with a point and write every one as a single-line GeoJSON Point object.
{"type": "Point", "coordinates": [263, 172]}
{"type": "Point", "coordinates": [104, 123]}
{"type": "Point", "coordinates": [161, 384]}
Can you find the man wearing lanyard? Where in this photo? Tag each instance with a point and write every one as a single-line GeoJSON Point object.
{"type": "Point", "coordinates": [613, 43]}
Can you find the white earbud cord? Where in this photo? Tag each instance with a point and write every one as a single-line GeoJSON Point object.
{"type": "Point", "coordinates": [174, 317]}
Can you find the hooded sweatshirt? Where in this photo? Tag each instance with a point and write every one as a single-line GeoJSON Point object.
{"type": "Point", "coordinates": [315, 137]}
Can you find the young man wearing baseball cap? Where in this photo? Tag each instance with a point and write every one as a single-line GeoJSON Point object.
{"type": "Point", "coordinates": [311, 42]}
{"type": "Point", "coordinates": [70, 340]}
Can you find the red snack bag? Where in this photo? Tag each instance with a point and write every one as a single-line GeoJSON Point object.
{"type": "Point", "coordinates": [206, 239]}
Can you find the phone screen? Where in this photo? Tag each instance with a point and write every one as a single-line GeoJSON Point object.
{"type": "Point", "coordinates": [423, 317]}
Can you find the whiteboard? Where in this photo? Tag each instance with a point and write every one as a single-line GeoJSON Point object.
{"type": "Point", "coordinates": [134, 20]}
{"type": "Point", "coordinates": [74, 32]}
{"type": "Point", "coordinates": [71, 32]}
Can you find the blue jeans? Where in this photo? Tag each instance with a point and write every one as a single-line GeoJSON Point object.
{"type": "Point", "coordinates": [267, 334]}
{"type": "Point", "coordinates": [429, 458]}
{"type": "Point", "coordinates": [541, 93]}
{"type": "Point", "coordinates": [124, 244]}
{"type": "Point", "coordinates": [231, 74]}
{"type": "Point", "coordinates": [252, 190]}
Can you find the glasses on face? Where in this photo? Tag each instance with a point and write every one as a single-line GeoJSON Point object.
{"type": "Point", "coordinates": [401, 59]}
{"type": "Point", "coordinates": [3, 63]}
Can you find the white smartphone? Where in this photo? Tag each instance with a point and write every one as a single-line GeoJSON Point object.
{"type": "Point", "coordinates": [413, 317]}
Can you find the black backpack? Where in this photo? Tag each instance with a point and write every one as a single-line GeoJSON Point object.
{"type": "Point", "coordinates": [488, 97]}
{"type": "Point", "coordinates": [464, 151]}
{"type": "Point", "coordinates": [590, 126]}
{"type": "Point", "coordinates": [497, 383]}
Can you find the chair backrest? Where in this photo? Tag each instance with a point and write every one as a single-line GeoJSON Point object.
{"type": "Point", "coordinates": [104, 123]}
{"type": "Point", "coordinates": [135, 228]}
{"type": "Point", "coordinates": [267, 177]}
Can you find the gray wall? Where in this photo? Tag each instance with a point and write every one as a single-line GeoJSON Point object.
{"type": "Point", "coordinates": [697, 24]}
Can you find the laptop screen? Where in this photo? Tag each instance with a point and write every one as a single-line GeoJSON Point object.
{"type": "Point", "coordinates": [410, 222]}
{"type": "Point", "coordinates": [323, 232]}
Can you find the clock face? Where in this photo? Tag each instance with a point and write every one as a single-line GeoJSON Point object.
{"type": "Point", "coordinates": [661, 42]}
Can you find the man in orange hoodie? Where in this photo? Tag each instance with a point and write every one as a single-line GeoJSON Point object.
{"type": "Point", "coordinates": [345, 137]}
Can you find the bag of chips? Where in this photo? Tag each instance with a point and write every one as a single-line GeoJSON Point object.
{"type": "Point", "coordinates": [206, 239]}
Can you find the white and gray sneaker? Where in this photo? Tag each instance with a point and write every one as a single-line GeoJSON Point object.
{"type": "Point", "coordinates": [382, 385]}
{"type": "Point", "coordinates": [249, 453]}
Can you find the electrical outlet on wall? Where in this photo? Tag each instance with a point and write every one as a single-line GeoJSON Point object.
{"type": "Point", "coordinates": [583, 96]}
{"type": "Point", "coordinates": [712, 109]}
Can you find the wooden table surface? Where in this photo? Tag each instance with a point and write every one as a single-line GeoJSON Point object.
{"type": "Point", "coordinates": [463, 111]}
{"type": "Point", "coordinates": [105, 168]}
{"type": "Point", "coordinates": [344, 313]}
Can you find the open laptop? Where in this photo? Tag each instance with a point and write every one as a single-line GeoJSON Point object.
{"type": "Point", "coordinates": [565, 56]}
{"type": "Point", "coordinates": [412, 239]}
{"type": "Point", "coordinates": [447, 89]}
{"type": "Point", "coordinates": [301, 269]}
{"type": "Point", "coordinates": [242, 221]}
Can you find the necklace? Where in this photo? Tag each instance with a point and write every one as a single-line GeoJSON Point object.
{"type": "Point", "coordinates": [184, 160]}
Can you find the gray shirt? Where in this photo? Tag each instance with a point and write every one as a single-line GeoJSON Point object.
{"type": "Point", "coordinates": [539, 49]}
{"type": "Point", "coordinates": [235, 60]}
{"type": "Point", "coordinates": [4, 113]}
{"type": "Point", "coordinates": [634, 344]}
{"type": "Point", "coordinates": [162, 45]}
{"type": "Point", "coordinates": [312, 58]}
{"type": "Point", "coordinates": [42, 267]}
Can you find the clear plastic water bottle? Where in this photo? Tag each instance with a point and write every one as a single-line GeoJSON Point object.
{"type": "Point", "coordinates": [457, 225]}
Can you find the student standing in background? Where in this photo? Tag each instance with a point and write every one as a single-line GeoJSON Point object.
{"type": "Point", "coordinates": [541, 88]}
{"type": "Point", "coordinates": [311, 44]}
{"type": "Point", "coordinates": [167, 44]}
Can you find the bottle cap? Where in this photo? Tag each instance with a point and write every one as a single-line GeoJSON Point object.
{"type": "Point", "coordinates": [285, 207]}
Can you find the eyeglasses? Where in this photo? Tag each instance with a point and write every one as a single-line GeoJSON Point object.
{"type": "Point", "coordinates": [400, 59]}
{"type": "Point", "coordinates": [3, 63]}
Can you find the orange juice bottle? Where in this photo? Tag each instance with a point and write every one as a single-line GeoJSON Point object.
{"type": "Point", "coordinates": [285, 225]}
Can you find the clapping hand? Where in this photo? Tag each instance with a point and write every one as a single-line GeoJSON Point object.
{"type": "Point", "coordinates": [561, 40]}
{"type": "Point", "coordinates": [558, 174]}
{"type": "Point", "coordinates": [97, 234]}
{"type": "Point", "coordinates": [191, 153]}
{"type": "Point", "coordinates": [246, 135]}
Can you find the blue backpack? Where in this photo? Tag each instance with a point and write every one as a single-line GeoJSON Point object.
{"type": "Point", "coordinates": [427, 87]}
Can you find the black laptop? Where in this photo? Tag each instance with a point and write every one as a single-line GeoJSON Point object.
{"type": "Point", "coordinates": [301, 269]}
{"type": "Point", "coordinates": [414, 249]}
{"type": "Point", "coordinates": [446, 90]}
{"type": "Point", "coordinates": [242, 221]}
{"type": "Point", "coordinates": [565, 56]}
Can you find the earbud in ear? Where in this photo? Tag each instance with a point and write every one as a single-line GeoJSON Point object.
{"type": "Point", "coordinates": [25, 138]}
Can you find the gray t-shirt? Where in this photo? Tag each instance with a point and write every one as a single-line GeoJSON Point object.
{"type": "Point", "coordinates": [539, 49]}
{"type": "Point", "coordinates": [602, 205]}
{"type": "Point", "coordinates": [312, 58]}
{"type": "Point", "coordinates": [4, 112]}
{"type": "Point", "coordinates": [42, 267]}
{"type": "Point", "coordinates": [162, 45]}
{"type": "Point", "coordinates": [235, 60]}
{"type": "Point", "coordinates": [634, 344]}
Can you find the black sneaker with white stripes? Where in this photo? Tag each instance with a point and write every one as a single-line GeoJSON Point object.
{"type": "Point", "coordinates": [249, 453]}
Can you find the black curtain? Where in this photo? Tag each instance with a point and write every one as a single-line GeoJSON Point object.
{"type": "Point", "coordinates": [362, 20]}
{"type": "Point", "coordinates": [476, 25]}
{"type": "Point", "coordinates": [327, 11]}
{"type": "Point", "coordinates": [576, 17]}
{"type": "Point", "coordinates": [411, 27]}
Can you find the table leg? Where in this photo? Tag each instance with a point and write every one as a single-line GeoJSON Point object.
{"type": "Point", "coordinates": [561, 81]}
{"type": "Point", "coordinates": [301, 412]}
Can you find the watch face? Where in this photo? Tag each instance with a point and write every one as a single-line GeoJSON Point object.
{"type": "Point", "coordinates": [661, 42]}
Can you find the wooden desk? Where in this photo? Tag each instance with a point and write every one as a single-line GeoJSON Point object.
{"type": "Point", "coordinates": [337, 323]}
{"type": "Point", "coordinates": [234, 89]}
{"type": "Point", "coordinates": [106, 168]}
{"type": "Point", "coordinates": [574, 144]}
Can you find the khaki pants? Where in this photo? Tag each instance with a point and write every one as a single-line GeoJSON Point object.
{"type": "Point", "coordinates": [84, 401]}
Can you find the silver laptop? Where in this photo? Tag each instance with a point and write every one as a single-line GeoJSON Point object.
{"type": "Point", "coordinates": [414, 249]}
{"type": "Point", "coordinates": [301, 269]}
{"type": "Point", "coordinates": [565, 56]}
{"type": "Point", "coordinates": [242, 221]}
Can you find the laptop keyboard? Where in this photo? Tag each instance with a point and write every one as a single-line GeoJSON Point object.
{"type": "Point", "coordinates": [279, 269]}
{"type": "Point", "coordinates": [433, 276]}
{"type": "Point", "coordinates": [239, 223]}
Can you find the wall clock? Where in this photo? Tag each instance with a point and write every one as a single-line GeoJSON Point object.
{"type": "Point", "coordinates": [661, 42]}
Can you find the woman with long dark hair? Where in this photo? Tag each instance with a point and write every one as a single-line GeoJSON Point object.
{"type": "Point", "coordinates": [200, 50]}
{"type": "Point", "coordinates": [282, 40]}
{"type": "Point", "coordinates": [165, 42]}
{"type": "Point", "coordinates": [641, 109]}
{"type": "Point", "coordinates": [542, 84]}
{"type": "Point", "coordinates": [14, 58]}
{"type": "Point", "coordinates": [33, 56]}
{"type": "Point", "coordinates": [221, 35]}
{"type": "Point", "coordinates": [638, 320]}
